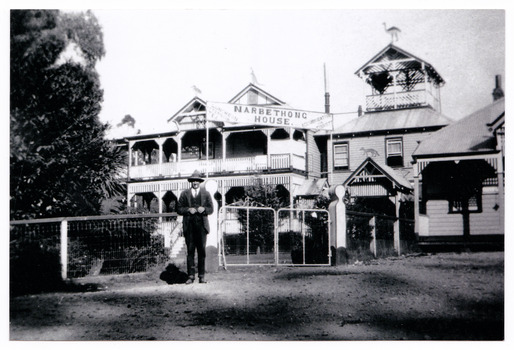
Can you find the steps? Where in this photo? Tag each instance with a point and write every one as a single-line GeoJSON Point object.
{"type": "Point", "coordinates": [178, 250]}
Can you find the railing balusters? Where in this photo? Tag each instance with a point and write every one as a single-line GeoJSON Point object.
{"type": "Point", "coordinates": [235, 165]}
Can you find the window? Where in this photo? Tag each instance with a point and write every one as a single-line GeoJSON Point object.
{"type": "Point", "coordinates": [394, 152]}
{"type": "Point", "coordinates": [341, 156]}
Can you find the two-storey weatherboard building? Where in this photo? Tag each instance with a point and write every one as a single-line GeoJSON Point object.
{"type": "Point", "coordinates": [232, 154]}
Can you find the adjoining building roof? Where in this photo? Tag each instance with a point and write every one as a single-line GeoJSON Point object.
{"type": "Point", "coordinates": [472, 134]}
{"type": "Point", "coordinates": [394, 120]}
{"type": "Point", "coordinates": [311, 187]}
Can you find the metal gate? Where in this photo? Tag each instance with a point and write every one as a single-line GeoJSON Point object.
{"type": "Point", "coordinates": [265, 236]}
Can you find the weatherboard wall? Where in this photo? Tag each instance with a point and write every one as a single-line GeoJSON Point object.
{"type": "Point", "coordinates": [362, 147]}
{"type": "Point", "coordinates": [313, 156]}
{"type": "Point", "coordinates": [441, 223]}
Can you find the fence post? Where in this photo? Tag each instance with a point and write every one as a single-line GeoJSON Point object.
{"type": "Point", "coordinates": [373, 243]}
{"type": "Point", "coordinates": [64, 249]}
{"type": "Point", "coordinates": [211, 246]}
{"type": "Point", "coordinates": [396, 225]}
{"type": "Point", "coordinates": [337, 211]}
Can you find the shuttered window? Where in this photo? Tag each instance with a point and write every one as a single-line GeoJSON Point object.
{"type": "Point", "coordinates": [341, 156]}
{"type": "Point", "coordinates": [394, 151]}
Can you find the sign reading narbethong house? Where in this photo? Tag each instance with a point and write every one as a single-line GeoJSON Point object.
{"type": "Point", "coordinates": [268, 115]}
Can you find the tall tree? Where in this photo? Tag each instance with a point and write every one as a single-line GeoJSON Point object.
{"type": "Point", "coordinates": [60, 163]}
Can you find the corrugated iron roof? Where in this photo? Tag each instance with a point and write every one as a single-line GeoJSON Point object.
{"type": "Point", "coordinates": [394, 120]}
{"type": "Point", "coordinates": [399, 179]}
{"type": "Point", "coordinates": [311, 187]}
{"type": "Point", "coordinates": [471, 134]}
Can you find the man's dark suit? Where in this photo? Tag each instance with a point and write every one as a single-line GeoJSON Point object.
{"type": "Point", "coordinates": [196, 227]}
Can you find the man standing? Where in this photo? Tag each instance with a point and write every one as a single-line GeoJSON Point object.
{"type": "Point", "coordinates": [195, 204]}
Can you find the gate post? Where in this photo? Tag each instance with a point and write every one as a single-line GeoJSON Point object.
{"type": "Point", "coordinates": [64, 249]}
{"type": "Point", "coordinates": [337, 212]}
{"type": "Point", "coordinates": [211, 246]}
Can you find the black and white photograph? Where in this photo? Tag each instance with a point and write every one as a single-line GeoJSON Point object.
{"type": "Point", "coordinates": [233, 172]}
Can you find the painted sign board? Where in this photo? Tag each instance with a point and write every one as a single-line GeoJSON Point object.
{"type": "Point", "coordinates": [268, 115]}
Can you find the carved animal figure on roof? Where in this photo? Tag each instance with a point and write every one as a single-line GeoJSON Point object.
{"type": "Point", "coordinates": [369, 152]}
{"type": "Point", "coordinates": [393, 31]}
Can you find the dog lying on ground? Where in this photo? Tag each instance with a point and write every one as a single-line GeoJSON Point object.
{"type": "Point", "coordinates": [173, 275]}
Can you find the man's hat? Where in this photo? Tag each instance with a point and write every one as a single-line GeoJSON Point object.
{"type": "Point", "coordinates": [196, 176]}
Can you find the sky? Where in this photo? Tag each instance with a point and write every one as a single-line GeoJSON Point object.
{"type": "Point", "coordinates": [155, 57]}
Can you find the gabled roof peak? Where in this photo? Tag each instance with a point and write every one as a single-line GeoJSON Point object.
{"type": "Point", "coordinates": [371, 167]}
{"type": "Point", "coordinates": [258, 92]}
{"type": "Point", "coordinates": [195, 103]}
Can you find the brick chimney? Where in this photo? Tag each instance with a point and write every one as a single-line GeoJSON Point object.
{"type": "Point", "coordinates": [498, 92]}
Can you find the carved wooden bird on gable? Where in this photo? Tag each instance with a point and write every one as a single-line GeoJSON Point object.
{"type": "Point", "coordinates": [393, 31]}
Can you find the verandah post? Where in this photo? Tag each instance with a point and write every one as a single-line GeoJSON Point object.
{"type": "Point", "coordinates": [211, 247]}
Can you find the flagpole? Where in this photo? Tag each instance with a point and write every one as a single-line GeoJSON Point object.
{"type": "Point", "coordinates": [206, 146]}
{"type": "Point", "coordinates": [327, 110]}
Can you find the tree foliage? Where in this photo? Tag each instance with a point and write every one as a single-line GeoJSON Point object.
{"type": "Point", "coordinates": [60, 163]}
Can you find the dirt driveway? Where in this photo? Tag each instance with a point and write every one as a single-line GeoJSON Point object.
{"type": "Point", "coordinates": [425, 297]}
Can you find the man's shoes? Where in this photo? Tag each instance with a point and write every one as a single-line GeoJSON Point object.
{"type": "Point", "coordinates": [190, 280]}
{"type": "Point", "coordinates": [202, 280]}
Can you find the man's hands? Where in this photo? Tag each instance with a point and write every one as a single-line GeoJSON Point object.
{"type": "Point", "coordinates": [193, 211]}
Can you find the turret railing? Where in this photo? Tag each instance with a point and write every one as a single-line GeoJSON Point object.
{"type": "Point", "coordinates": [399, 100]}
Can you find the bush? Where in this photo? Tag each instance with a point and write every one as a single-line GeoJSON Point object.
{"type": "Point", "coordinates": [34, 268]}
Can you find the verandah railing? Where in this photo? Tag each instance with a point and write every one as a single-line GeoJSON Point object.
{"type": "Point", "coordinates": [218, 166]}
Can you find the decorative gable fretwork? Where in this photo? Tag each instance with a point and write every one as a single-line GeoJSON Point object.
{"type": "Point", "coordinates": [373, 180]}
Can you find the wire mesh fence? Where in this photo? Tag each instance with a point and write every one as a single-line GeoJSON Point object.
{"type": "Point", "coordinates": [86, 246]}
{"type": "Point", "coordinates": [56, 249]}
{"type": "Point", "coordinates": [379, 235]}
{"type": "Point", "coordinates": [115, 246]}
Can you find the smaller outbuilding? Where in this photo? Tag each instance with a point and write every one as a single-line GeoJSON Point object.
{"type": "Point", "coordinates": [459, 181]}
